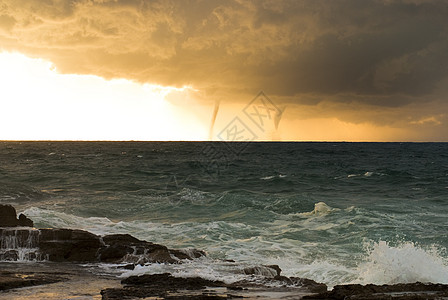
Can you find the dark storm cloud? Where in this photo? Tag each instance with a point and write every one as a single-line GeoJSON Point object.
{"type": "Point", "coordinates": [375, 52]}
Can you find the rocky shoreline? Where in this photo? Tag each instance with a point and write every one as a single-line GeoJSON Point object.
{"type": "Point", "coordinates": [57, 253]}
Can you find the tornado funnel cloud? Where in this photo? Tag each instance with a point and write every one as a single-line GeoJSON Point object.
{"type": "Point", "coordinates": [212, 124]}
{"type": "Point", "coordinates": [278, 117]}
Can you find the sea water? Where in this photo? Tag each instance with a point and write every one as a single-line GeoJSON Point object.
{"type": "Point", "coordinates": [333, 212]}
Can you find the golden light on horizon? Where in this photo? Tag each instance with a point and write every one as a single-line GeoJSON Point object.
{"type": "Point", "coordinates": [38, 103]}
{"type": "Point", "coordinates": [340, 81]}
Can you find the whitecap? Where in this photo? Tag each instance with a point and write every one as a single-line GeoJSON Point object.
{"type": "Point", "coordinates": [274, 176]}
{"type": "Point", "coordinates": [320, 208]}
{"type": "Point", "coordinates": [404, 263]}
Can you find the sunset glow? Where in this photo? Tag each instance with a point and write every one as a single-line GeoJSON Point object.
{"type": "Point", "coordinates": [156, 70]}
{"type": "Point", "coordinates": [38, 103]}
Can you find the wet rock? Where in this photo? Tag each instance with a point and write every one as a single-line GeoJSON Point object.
{"type": "Point", "coordinates": [69, 245]}
{"type": "Point", "coordinates": [161, 285]}
{"type": "Point", "coordinates": [187, 253]}
{"type": "Point", "coordinates": [304, 283]}
{"type": "Point", "coordinates": [165, 286]}
{"type": "Point", "coordinates": [9, 255]}
{"type": "Point", "coordinates": [25, 221]}
{"type": "Point", "coordinates": [126, 248]}
{"type": "Point", "coordinates": [8, 217]}
{"type": "Point", "coordinates": [414, 291]}
{"type": "Point", "coordinates": [18, 244]}
{"type": "Point", "coordinates": [127, 267]}
{"type": "Point", "coordinates": [74, 245]}
{"type": "Point", "coordinates": [10, 280]}
{"type": "Point", "coordinates": [267, 271]}
{"type": "Point", "coordinates": [113, 239]}
{"type": "Point", "coordinates": [168, 282]}
{"type": "Point", "coordinates": [114, 253]}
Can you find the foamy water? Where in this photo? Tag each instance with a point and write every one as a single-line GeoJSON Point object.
{"type": "Point", "coordinates": [332, 212]}
{"type": "Point", "coordinates": [378, 263]}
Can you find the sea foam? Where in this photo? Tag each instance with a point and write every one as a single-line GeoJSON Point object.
{"type": "Point", "coordinates": [405, 263]}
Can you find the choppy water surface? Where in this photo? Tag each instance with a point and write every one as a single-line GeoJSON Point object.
{"type": "Point", "coordinates": [332, 212]}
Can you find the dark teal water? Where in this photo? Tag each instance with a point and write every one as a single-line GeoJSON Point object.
{"type": "Point", "coordinates": [333, 212]}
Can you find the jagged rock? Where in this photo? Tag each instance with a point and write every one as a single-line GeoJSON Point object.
{"type": "Point", "coordinates": [8, 217]}
{"type": "Point", "coordinates": [69, 245]}
{"type": "Point", "coordinates": [126, 248]}
{"type": "Point", "coordinates": [304, 283]}
{"type": "Point", "coordinates": [112, 239]}
{"type": "Point", "coordinates": [114, 253]}
{"type": "Point", "coordinates": [73, 245]}
{"type": "Point", "coordinates": [80, 246]}
{"type": "Point", "coordinates": [9, 255]}
{"type": "Point", "coordinates": [169, 282]}
{"type": "Point", "coordinates": [25, 221]}
{"type": "Point", "coordinates": [158, 285]}
{"type": "Point", "coordinates": [127, 267]}
{"type": "Point", "coordinates": [165, 286]}
{"type": "Point", "coordinates": [187, 253]}
{"type": "Point", "coordinates": [408, 291]}
{"type": "Point", "coordinates": [268, 271]}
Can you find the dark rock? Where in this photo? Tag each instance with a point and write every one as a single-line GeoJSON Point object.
{"type": "Point", "coordinates": [74, 245]}
{"type": "Point", "coordinates": [10, 280]}
{"type": "Point", "coordinates": [160, 285]}
{"type": "Point", "coordinates": [81, 246]}
{"type": "Point", "coordinates": [113, 239]}
{"type": "Point", "coordinates": [9, 255]}
{"type": "Point", "coordinates": [162, 256]}
{"type": "Point", "coordinates": [276, 268]}
{"type": "Point", "coordinates": [25, 221]}
{"type": "Point", "coordinates": [69, 245]}
{"type": "Point", "coordinates": [127, 267]}
{"type": "Point", "coordinates": [168, 282]}
{"type": "Point", "coordinates": [267, 271]}
{"type": "Point", "coordinates": [8, 216]}
{"type": "Point", "coordinates": [414, 291]}
{"type": "Point", "coordinates": [115, 253]}
{"type": "Point", "coordinates": [126, 248]}
{"type": "Point", "coordinates": [165, 286]}
{"type": "Point", "coordinates": [309, 285]}
{"type": "Point", "coordinates": [187, 253]}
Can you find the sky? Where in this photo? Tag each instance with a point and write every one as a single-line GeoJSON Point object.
{"type": "Point", "coordinates": [290, 70]}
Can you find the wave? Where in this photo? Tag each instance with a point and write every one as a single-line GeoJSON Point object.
{"type": "Point", "coordinates": [365, 174]}
{"type": "Point", "coordinates": [404, 263]}
{"type": "Point", "coordinates": [273, 177]}
{"type": "Point", "coordinates": [290, 242]}
{"type": "Point", "coordinates": [320, 208]}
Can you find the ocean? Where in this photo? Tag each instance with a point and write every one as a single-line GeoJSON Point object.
{"type": "Point", "coordinates": [336, 213]}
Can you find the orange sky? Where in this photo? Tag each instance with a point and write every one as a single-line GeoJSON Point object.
{"type": "Point", "coordinates": [343, 70]}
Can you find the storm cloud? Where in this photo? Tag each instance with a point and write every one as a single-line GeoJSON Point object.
{"type": "Point", "coordinates": [375, 53]}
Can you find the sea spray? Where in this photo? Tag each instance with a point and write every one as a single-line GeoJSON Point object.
{"type": "Point", "coordinates": [404, 263]}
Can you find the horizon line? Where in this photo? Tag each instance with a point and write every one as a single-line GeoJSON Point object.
{"type": "Point", "coordinates": [218, 141]}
